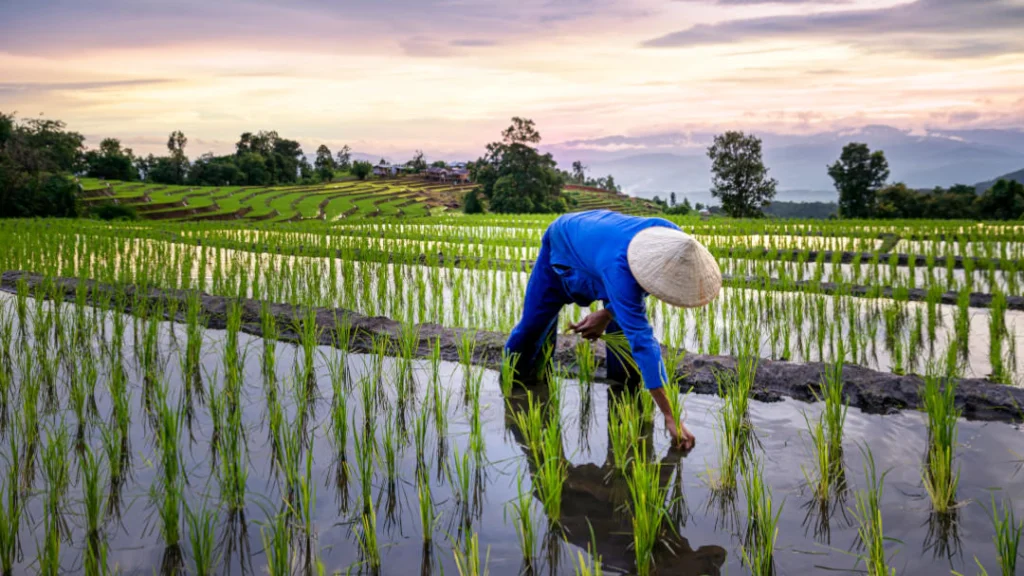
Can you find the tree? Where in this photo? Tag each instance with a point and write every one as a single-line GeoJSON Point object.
{"type": "Point", "coordinates": [438, 164]}
{"type": "Point", "coordinates": [471, 203]}
{"type": "Point", "coordinates": [858, 174]}
{"type": "Point", "coordinates": [1003, 201]}
{"type": "Point", "coordinates": [515, 177]}
{"type": "Point", "coordinates": [35, 159]}
{"type": "Point", "coordinates": [672, 198]}
{"type": "Point", "coordinates": [898, 201]}
{"type": "Point", "coordinates": [179, 162]}
{"type": "Point", "coordinates": [344, 158]}
{"type": "Point", "coordinates": [210, 170]}
{"type": "Point", "coordinates": [418, 164]}
{"type": "Point", "coordinates": [111, 162]}
{"type": "Point", "coordinates": [579, 172]}
{"type": "Point", "coordinates": [361, 169]}
{"type": "Point", "coordinates": [739, 177]}
{"type": "Point", "coordinates": [324, 163]}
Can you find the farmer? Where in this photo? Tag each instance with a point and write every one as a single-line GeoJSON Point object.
{"type": "Point", "coordinates": [617, 259]}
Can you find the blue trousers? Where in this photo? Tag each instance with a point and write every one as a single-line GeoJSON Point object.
{"type": "Point", "coordinates": [546, 294]}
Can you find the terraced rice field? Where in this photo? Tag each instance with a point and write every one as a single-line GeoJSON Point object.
{"type": "Point", "coordinates": [288, 394]}
{"type": "Point", "coordinates": [406, 197]}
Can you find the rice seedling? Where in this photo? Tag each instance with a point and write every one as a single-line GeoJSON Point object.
{"type": "Point", "coordinates": [762, 522]}
{"type": "Point", "coordinates": [389, 450]}
{"type": "Point", "coordinates": [11, 508]}
{"type": "Point", "coordinates": [419, 434]}
{"type": "Point", "coordinates": [234, 468]}
{"type": "Point", "coordinates": [339, 421]}
{"type": "Point", "coordinates": [827, 479]}
{"type": "Point", "coordinates": [467, 558]}
{"type": "Point", "coordinates": [530, 423]}
{"type": "Point", "coordinates": [365, 452]}
{"type": "Point", "coordinates": [588, 564]}
{"type": "Point", "coordinates": [625, 429]}
{"type": "Point", "coordinates": [938, 397]}
{"type": "Point", "coordinates": [508, 371]}
{"type": "Point", "coordinates": [277, 545]}
{"type": "Point", "coordinates": [408, 344]}
{"type": "Point", "coordinates": [460, 475]}
{"type": "Point", "coordinates": [868, 514]}
{"type": "Point", "coordinates": [202, 525]}
{"type": "Point", "coordinates": [1007, 537]}
{"type": "Point", "coordinates": [648, 508]}
{"type": "Point", "coordinates": [56, 473]}
{"type": "Point", "coordinates": [586, 361]}
{"type": "Point", "coordinates": [428, 514]}
{"type": "Point", "coordinates": [552, 471]}
{"type": "Point", "coordinates": [522, 511]}
{"type": "Point", "coordinates": [369, 547]}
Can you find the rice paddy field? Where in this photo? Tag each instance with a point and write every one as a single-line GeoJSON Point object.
{"type": "Point", "coordinates": [346, 199]}
{"type": "Point", "coordinates": [211, 397]}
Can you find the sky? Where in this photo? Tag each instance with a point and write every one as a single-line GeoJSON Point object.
{"type": "Point", "coordinates": [445, 76]}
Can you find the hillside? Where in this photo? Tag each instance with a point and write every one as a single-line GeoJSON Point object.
{"type": "Point", "coordinates": [409, 196]}
{"type": "Point", "coordinates": [1018, 176]}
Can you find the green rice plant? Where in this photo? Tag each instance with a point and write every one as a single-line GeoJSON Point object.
{"type": "Point", "coordinates": [828, 476]}
{"type": "Point", "coordinates": [762, 522]}
{"type": "Point", "coordinates": [277, 545]}
{"type": "Point", "coordinates": [868, 514]}
{"type": "Point", "coordinates": [625, 430]}
{"type": "Point", "coordinates": [419, 434]}
{"type": "Point", "coordinates": [202, 526]}
{"type": "Point", "coordinates": [938, 397]}
{"type": "Point", "coordinates": [49, 550]}
{"type": "Point", "coordinates": [586, 361]}
{"type": "Point", "coordinates": [676, 400]}
{"type": "Point", "coordinates": [11, 507]}
{"type": "Point", "coordinates": [467, 558]}
{"type": "Point", "coordinates": [93, 499]}
{"type": "Point", "coordinates": [1007, 537]}
{"type": "Point", "coordinates": [588, 564]}
{"type": "Point", "coordinates": [648, 508]}
{"type": "Point", "coordinates": [508, 371]}
{"type": "Point", "coordinates": [56, 472]}
{"type": "Point", "coordinates": [552, 471]}
{"type": "Point", "coordinates": [339, 421]}
{"type": "Point", "coordinates": [369, 547]}
{"type": "Point", "coordinates": [306, 495]}
{"type": "Point", "coordinates": [408, 343]}
{"type": "Point", "coordinates": [522, 510]}
{"type": "Point", "coordinates": [530, 423]}
{"type": "Point", "coordinates": [441, 402]}
{"type": "Point", "coordinates": [365, 452]}
{"type": "Point", "coordinates": [389, 450]}
{"type": "Point", "coordinates": [460, 474]}
{"type": "Point", "coordinates": [233, 472]}
{"type": "Point", "coordinates": [428, 514]}
{"type": "Point", "coordinates": [617, 344]}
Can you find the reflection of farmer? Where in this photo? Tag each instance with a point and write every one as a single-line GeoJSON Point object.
{"type": "Point", "coordinates": [595, 503]}
{"type": "Point", "coordinates": [618, 259]}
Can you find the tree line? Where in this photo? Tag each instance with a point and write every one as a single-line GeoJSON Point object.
{"type": "Point", "coordinates": [740, 181]}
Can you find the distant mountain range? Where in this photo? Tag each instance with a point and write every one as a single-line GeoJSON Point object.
{"type": "Point", "coordinates": [1018, 176]}
{"type": "Point", "coordinates": [677, 162]}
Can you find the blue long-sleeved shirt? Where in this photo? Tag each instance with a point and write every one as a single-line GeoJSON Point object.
{"type": "Point", "coordinates": [587, 250]}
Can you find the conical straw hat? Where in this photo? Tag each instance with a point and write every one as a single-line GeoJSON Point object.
{"type": "Point", "coordinates": [674, 267]}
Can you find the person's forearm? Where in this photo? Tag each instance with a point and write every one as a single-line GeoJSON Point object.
{"type": "Point", "coordinates": [661, 399]}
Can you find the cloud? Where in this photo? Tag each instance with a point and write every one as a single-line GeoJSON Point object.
{"type": "Point", "coordinates": [939, 28]}
{"type": "Point", "coordinates": [22, 87]}
{"type": "Point", "coordinates": [472, 43]}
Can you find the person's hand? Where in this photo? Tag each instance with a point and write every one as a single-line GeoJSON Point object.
{"type": "Point", "coordinates": [593, 325]}
{"type": "Point", "coordinates": [681, 436]}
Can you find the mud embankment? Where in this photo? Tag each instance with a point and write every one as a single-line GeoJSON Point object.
{"type": "Point", "coordinates": [869, 390]}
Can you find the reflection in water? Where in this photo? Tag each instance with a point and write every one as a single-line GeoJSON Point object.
{"type": "Point", "coordinates": [595, 506]}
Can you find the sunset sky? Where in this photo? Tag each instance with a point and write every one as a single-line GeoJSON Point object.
{"type": "Point", "coordinates": [446, 75]}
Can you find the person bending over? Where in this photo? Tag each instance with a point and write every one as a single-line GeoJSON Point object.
{"type": "Point", "coordinates": [619, 260]}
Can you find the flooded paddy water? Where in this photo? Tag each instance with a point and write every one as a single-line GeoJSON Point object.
{"type": "Point", "coordinates": [424, 422]}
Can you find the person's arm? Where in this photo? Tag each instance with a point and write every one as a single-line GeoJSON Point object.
{"type": "Point", "coordinates": [626, 299]}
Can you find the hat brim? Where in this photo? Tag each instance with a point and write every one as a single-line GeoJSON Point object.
{"type": "Point", "coordinates": [674, 267]}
